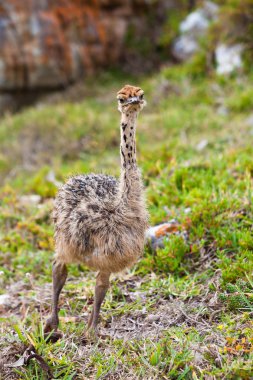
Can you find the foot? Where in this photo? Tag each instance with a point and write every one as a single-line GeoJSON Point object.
{"type": "Point", "coordinates": [51, 325]}
{"type": "Point", "coordinates": [90, 335]}
{"type": "Point", "coordinates": [50, 331]}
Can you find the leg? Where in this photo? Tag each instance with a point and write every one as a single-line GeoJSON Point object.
{"type": "Point", "coordinates": [59, 278]}
{"type": "Point", "coordinates": [102, 285]}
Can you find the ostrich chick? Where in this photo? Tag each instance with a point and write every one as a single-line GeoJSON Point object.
{"type": "Point", "coordinates": [101, 221]}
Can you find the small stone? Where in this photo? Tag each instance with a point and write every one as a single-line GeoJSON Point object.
{"type": "Point", "coordinates": [155, 235]}
{"type": "Point", "coordinates": [31, 199]}
{"type": "Point", "coordinates": [4, 299]}
{"type": "Point", "coordinates": [228, 58]}
{"type": "Point", "coordinates": [202, 145]}
{"type": "Point", "coordinates": [152, 318]}
{"type": "Point", "coordinates": [222, 110]}
{"type": "Point", "coordinates": [213, 301]}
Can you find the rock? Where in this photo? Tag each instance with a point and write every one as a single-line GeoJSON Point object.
{"type": "Point", "coordinates": [152, 318]}
{"type": "Point", "coordinates": [48, 44]}
{"type": "Point", "coordinates": [4, 299]}
{"type": "Point", "coordinates": [162, 229]}
{"type": "Point", "coordinates": [228, 58]}
{"type": "Point", "coordinates": [196, 22]}
{"type": "Point", "coordinates": [192, 28]}
{"type": "Point", "coordinates": [184, 47]}
{"type": "Point", "coordinates": [31, 199]}
{"type": "Point", "coordinates": [202, 145]}
{"type": "Point", "coordinates": [155, 235]}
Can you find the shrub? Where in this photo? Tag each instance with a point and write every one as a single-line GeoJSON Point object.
{"type": "Point", "coordinates": [169, 258]}
{"type": "Point", "coordinates": [238, 296]}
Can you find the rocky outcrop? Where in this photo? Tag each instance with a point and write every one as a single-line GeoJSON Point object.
{"type": "Point", "coordinates": [50, 43]}
{"type": "Point", "coordinates": [192, 29]}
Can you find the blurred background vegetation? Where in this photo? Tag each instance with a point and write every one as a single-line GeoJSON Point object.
{"type": "Point", "coordinates": [61, 64]}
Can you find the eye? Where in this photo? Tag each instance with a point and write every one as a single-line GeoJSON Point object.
{"type": "Point", "coordinates": [121, 100]}
{"type": "Point", "coordinates": [141, 96]}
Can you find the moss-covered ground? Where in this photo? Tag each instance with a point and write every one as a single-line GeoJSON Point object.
{"type": "Point", "coordinates": [184, 312]}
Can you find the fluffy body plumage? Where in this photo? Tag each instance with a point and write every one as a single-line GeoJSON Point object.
{"type": "Point", "coordinates": [96, 225]}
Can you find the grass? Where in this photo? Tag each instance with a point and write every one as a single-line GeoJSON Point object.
{"type": "Point", "coordinates": [184, 312]}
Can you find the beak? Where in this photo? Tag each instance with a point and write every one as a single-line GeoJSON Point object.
{"type": "Point", "coordinates": [133, 100]}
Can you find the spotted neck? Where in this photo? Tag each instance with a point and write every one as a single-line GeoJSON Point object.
{"type": "Point", "coordinates": [130, 185]}
{"type": "Point", "coordinates": [128, 143]}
